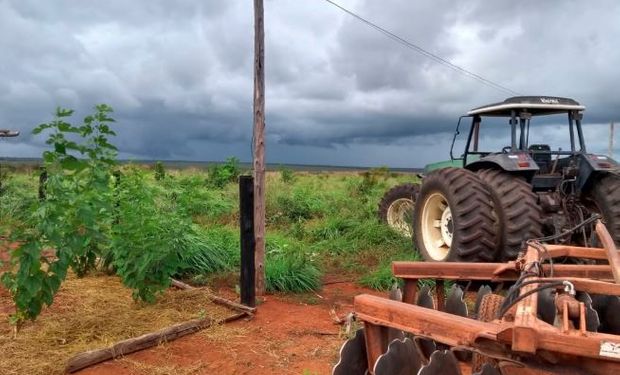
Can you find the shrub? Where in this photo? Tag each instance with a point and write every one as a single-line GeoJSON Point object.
{"type": "Point", "coordinates": [287, 175]}
{"type": "Point", "coordinates": [74, 218]}
{"type": "Point", "coordinates": [301, 204]}
{"type": "Point", "coordinates": [221, 175]}
{"type": "Point", "coordinates": [146, 241]}
{"type": "Point", "coordinates": [160, 171]}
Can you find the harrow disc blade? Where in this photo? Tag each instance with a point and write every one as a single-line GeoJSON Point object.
{"type": "Point", "coordinates": [488, 369]}
{"type": "Point", "coordinates": [425, 299]}
{"type": "Point", "coordinates": [454, 303]}
{"type": "Point", "coordinates": [401, 358]}
{"type": "Point", "coordinates": [592, 319]}
{"type": "Point", "coordinates": [395, 295]}
{"type": "Point", "coordinates": [547, 310]}
{"type": "Point", "coordinates": [441, 363]}
{"type": "Point", "coordinates": [353, 360]}
{"type": "Point", "coordinates": [607, 308]}
{"type": "Point", "coordinates": [425, 346]}
{"type": "Point", "coordinates": [483, 291]}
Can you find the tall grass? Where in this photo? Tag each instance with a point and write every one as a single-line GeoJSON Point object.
{"type": "Point", "coordinates": [316, 223]}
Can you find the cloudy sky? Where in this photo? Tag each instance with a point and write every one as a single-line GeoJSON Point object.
{"type": "Point", "coordinates": [179, 74]}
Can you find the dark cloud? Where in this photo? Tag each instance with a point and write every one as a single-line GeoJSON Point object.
{"type": "Point", "coordinates": [180, 75]}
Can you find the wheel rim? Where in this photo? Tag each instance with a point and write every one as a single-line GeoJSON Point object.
{"type": "Point", "coordinates": [400, 216]}
{"type": "Point", "coordinates": [437, 226]}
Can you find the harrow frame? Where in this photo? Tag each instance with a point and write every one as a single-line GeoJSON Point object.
{"type": "Point", "coordinates": [519, 339]}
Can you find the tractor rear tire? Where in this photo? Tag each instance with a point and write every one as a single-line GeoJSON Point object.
{"type": "Point", "coordinates": [517, 209]}
{"type": "Point", "coordinates": [396, 208]}
{"type": "Point", "coordinates": [489, 308]}
{"type": "Point", "coordinates": [453, 218]}
{"type": "Point", "coordinates": [605, 194]}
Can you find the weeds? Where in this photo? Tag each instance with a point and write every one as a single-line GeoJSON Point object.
{"type": "Point", "coordinates": [383, 278]}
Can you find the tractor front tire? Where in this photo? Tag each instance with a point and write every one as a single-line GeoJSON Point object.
{"type": "Point", "coordinates": [396, 208]}
{"type": "Point", "coordinates": [605, 195]}
{"type": "Point", "coordinates": [516, 207]}
{"type": "Point", "coordinates": [453, 218]}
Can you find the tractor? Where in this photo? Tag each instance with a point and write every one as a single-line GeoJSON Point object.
{"type": "Point", "coordinates": [482, 205]}
{"type": "Point", "coordinates": [542, 221]}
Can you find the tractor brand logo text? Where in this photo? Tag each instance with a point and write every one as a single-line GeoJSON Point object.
{"type": "Point", "coordinates": [549, 101]}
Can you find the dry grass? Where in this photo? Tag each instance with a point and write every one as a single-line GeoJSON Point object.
{"type": "Point", "coordinates": [90, 313]}
{"type": "Point", "coordinates": [140, 368]}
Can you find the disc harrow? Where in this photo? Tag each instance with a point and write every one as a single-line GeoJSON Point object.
{"type": "Point", "coordinates": [554, 319]}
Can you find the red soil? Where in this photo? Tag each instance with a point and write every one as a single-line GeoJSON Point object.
{"type": "Point", "coordinates": [288, 335]}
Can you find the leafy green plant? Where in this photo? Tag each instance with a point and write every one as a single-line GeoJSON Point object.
{"type": "Point", "coordinates": [148, 240]}
{"type": "Point", "coordinates": [75, 217]}
{"type": "Point", "coordinates": [221, 175]}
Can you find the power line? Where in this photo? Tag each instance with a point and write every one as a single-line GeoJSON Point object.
{"type": "Point", "coordinates": [424, 52]}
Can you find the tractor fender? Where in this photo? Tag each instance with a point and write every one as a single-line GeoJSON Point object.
{"type": "Point", "coordinates": [521, 163]}
{"type": "Point", "coordinates": [592, 166]}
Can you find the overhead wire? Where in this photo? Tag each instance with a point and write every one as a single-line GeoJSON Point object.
{"type": "Point", "coordinates": [424, 52]}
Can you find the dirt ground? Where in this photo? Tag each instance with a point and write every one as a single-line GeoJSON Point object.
{"type": "Point", "coordinates": [288, 335]}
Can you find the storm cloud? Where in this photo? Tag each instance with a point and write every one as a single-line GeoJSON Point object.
{"type": "Point", "coordinates": [179, 74]}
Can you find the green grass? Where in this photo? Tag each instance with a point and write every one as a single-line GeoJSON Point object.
{"type": "Point", "coordinates": [382, 278]}
{"type": "Point", "coordinates": [317, 223]}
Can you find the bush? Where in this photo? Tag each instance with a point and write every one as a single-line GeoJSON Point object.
{"type": "Point", "coordinates": [300, 204]}
{"type": "Point", "coordinates": [74, 218]}
{"type": "Point", "coordinates": [221, 175]}
{"type": "Point", "coordinates": [160, 171]}
{"type": "Point", "coordinates": [148, 240]}
{"type": "Point", "coordinates": [287, 175]}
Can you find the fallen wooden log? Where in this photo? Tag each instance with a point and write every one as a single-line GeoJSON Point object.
{"type": "Point", "coordinates": [217, 300]}
{"type": "Point", "coordinates": [92, 357]}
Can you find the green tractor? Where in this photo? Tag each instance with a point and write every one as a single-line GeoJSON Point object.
{"type": "Point", "coordinates": [481, 206]}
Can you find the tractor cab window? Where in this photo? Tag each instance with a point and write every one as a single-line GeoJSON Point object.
{"type": "Point", "coordinates": [489, 136]}
{"type": "Point", "coordinates": [550, 133]}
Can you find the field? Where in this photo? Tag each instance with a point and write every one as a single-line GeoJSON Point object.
{"type": "Point", "coordinates": [324, 245]}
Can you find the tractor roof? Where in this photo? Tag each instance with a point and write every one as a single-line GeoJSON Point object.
{"type": "Point", "coordinates": [536, 105]}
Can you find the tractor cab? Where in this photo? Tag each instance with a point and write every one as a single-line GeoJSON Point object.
{"type": "Point", "coordinates": [532, 153]}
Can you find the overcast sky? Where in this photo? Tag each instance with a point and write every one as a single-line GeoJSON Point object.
{"type": "Point", "coordinates": [179, 73]}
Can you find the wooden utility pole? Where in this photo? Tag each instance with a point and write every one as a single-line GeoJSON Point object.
{"type": "Point", "coordinates": [610, 151]}
{"type": "Point", "coordinates": [259, 145]}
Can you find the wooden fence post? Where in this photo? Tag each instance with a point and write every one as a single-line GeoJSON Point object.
{"type": "Point", "coordinates": [247, 277]}
{"type": "Point", "coordinates": [259, 145]}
